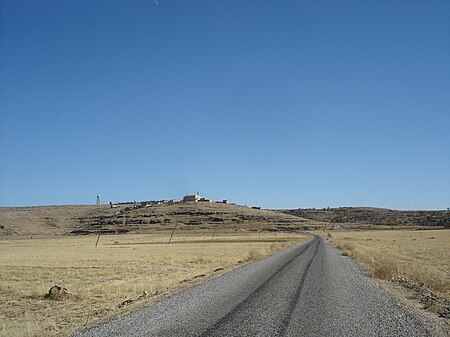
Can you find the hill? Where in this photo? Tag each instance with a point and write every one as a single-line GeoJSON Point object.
{"type": "Point", "coordinates": [142, 218]}
{"type": "Point", "coordinates": [373, 216]}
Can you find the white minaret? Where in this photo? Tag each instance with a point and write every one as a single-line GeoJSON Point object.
{"type": "Point", "coordinates": [98, 199]}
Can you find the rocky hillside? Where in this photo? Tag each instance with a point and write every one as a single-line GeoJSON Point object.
{"type": "Point", "coordinates": [374, 216]}
{"type": "Point", "coordinates": [142, 218]}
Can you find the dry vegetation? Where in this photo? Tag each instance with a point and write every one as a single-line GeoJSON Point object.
{"type": "Point", "coordinates": [135, 218]}
{"type": "Point", "coordinates": [369, 217]}
{"type": "Point", "coordinates": [46, 220]}
{"type": "Point", "coordinates": [101, 279]}
{"type": "Point", "coordinates": [38, 249]}
{"type": "Point", "coordinates": [419, 260]}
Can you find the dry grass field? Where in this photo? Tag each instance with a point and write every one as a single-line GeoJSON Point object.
{"type": "Point", "coordinates": [422, 257]}
{"type": "Point", "coordinates": [100, 279]}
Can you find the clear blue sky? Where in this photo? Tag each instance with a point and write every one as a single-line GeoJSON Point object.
{"type": "Point", "coordinates": [282, 104]}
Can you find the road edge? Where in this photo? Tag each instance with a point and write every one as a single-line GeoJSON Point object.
{"type": "Point", "coordinates": [437, 326]}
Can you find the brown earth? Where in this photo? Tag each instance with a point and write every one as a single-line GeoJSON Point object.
{"type": "Point", "coordinates": [143, 218]}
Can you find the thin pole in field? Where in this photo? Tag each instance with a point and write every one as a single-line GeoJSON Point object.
{"type": "Point", "coordinates": [173, 231]}
{"type": "Point", "coordinates": [98, 238]}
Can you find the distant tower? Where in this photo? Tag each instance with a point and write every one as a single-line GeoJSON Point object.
{"type": "Point", "coordinates": [98, 199]}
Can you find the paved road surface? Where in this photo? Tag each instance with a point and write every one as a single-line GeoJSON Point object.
{"type": "Point", "coordinates": [306, 290]}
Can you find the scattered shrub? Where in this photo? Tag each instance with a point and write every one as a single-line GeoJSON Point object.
{"type": "Point", "coordinates": [384, 269]}
{"type": "Point", "coordinates": [253, 255]}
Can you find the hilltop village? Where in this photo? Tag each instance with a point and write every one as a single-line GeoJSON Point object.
{"type": "Point", "coordinates": [187, 198]}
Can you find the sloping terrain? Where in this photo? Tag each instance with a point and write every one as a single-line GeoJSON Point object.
{"type": "Point", "coordinates": [373, 216]}
{"type": "Point", "coordinates": [142, 218]}
{"type": "Point", "coordinates": [46, 220]}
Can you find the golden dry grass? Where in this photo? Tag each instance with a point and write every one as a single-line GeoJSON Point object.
{"type": "Point", "coordinates": [422, 256]}
{"type": "Point", "coordinates": [100, 279]}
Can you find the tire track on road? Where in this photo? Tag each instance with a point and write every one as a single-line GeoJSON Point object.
{"type": "Point", "coordinates": [298, 291]}
{"type": "Point", "coordinates": [235, 311]}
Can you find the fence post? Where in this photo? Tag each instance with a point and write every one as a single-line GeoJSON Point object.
{"type": "Point", "coordinates": [173, 231]}
{"type": "Point", "coordinates": [214, 233]}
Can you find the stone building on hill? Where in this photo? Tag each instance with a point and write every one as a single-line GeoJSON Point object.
{"type": "Point", "coordinates": [192, 198]}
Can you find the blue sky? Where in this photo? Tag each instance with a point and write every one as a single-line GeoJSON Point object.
{"type": "Point", "coordinates": [282, 104]}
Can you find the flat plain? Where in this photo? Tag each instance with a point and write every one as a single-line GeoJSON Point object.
{"type": "Point", "coordinates": [134, 266]}
{"type": "Point", "coordinates": [121, 274]}
{"type": "Point", "coordinates": [307, 290]}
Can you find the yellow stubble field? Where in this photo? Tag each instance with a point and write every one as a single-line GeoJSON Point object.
{"type": "Point", "coordinates": [421, 255]}
{"type": "Point", "coordinates": [135, 267]}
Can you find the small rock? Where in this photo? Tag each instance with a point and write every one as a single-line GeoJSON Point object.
{"type": "Point", "coordinates": [57, 293]}
{"type": "Point", "coordinates": [445, 312]}
{"type": "Point", "coordinates": [126, 302]}
{"type": "Point", "coordinates": [143, 295]}
{"type": "Point", "coordinates": [198, 276]}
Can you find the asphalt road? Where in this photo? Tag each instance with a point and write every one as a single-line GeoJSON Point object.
{"type": "Point", "coordinates": [306, 290]}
